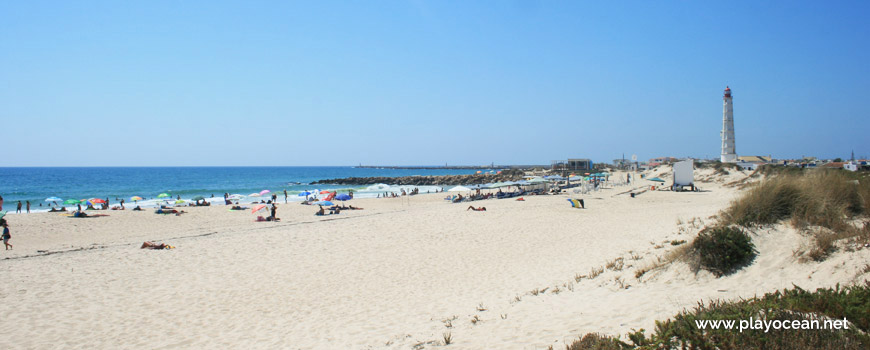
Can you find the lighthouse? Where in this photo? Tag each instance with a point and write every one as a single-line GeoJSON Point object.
{"type": "Point", "coordinates": [729, 152]}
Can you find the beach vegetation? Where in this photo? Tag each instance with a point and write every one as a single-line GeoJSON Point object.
{"type": "Point", "coordinates": [595, 272]}
{"type": "Point", "coordinates": [796, 304]}
{"type": "Point", "coordinates": [447, 338]}
{"type": "Point", "coordinates": [836, 200]}
{"type": "Point", "coordinates": [475, 320]}
{"type": "Point", "coordinates": [722, 250]}
{"type": "Point", "coordinates": [678, 254]}
{"type": "Point", "coordinates": [616, 264]}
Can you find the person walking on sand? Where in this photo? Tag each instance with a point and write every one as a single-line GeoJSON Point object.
{"type": "Point", "coordinates": [6, 235]}
{"type": "Point", "coordinates": [285, 196]}
{"type": "Point", "coordinates": [18, 210]}
{"type": "Point", "coordinates": [28, 207]}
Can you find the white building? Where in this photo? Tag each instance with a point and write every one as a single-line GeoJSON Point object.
{"type": "Point", "coordinates": [729, 151]}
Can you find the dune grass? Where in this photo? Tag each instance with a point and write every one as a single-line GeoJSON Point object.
{"type": "Point", "coordinates": [682, 332]}
{"type": "Point", "coordinates": [836, 200]}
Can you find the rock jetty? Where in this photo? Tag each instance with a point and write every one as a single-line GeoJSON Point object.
{"type": "Point", "coordinates": [507, 175]}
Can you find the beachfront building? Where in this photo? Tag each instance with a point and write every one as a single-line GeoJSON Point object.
{"type": "Point", "coordinates": [752, 162]}
{"type": "Point", "coordinates": [729, 150]}
{"type": "Point", "coordinates": [654, 162]}
{"type": "Point", "coordinates": [572, 165]}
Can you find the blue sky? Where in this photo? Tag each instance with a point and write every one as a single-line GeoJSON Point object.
{"type": "Point", "coordinates": [95, 83]}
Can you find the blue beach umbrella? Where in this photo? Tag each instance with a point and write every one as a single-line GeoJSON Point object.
{"type": "Point", "coordinates": [304, 194]}
{"type": "Point", "coordinates": [326, 203]}
{"type": "Point", "coordinates": [343, 197]}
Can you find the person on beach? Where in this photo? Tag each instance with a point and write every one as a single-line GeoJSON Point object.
{"type": "Point", "coordinates": [475, 209]}
{"type": "Point", "coordinates": [6, 235]}
{"type": "Point", "coordinates": [122, 203]}
{"type": "Point", "coordinates": [154, 245]}
{"type": "Point", "coordinates": [285, 196]}
{"type": "Point", "coordinates": [274, 211]}
{"type": "Point", "coordinates": [18, 210]}
{"type": "Point", "coordinates": [28, 207]}
{"type": "Point", "coordinates": [320, 212]}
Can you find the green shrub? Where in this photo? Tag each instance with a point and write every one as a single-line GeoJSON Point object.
{"type": "Point", "coordinates": [595, 341]}
{"type": "Point", "coordinates": [722, 250]}
{"type": "Point", "coordinates": [682, 332]}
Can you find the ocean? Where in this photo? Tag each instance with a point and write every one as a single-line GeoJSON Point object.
{"type": "Point", "coordinates": [37, 184]}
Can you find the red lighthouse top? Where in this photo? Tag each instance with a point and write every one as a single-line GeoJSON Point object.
{"type": "Point", "coordinates": [727, 91]}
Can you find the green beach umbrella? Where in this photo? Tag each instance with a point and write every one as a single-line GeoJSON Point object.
{"type": "Point", "coordinates": [163, 195]}
{"type": "Point", "coordinates": [72, 201]}
{"type": "Point", "coordinates": [180, 201]}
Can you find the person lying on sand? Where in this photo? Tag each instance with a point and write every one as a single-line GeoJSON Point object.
{"type": "Point", "coordinates": [169, 211]}
{"type": "Point", "coordinates": [320, 212]}
{"type": "Point", "coordinates": [80, 214]}
{"type": "Point", "coordinates": [137, 208]}
{"type": "Point", "coordinates": [355, 208]}
{"type": "Point", "coordinates": [475, 209]}
{"type": "Point", "coordinates": [237, 207]}
{"type": "Point", "coordinates": [153, 245]}
{"type": "Point", "coordinates": [53, 210]}
{"type": "Point", "coordinates": [117, 207]}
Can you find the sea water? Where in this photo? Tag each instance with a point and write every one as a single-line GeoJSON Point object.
{"type": "Point", "coordinates": [37, 184]}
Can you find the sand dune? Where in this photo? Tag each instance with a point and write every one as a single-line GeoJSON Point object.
{"type": "Point", "coordinates": [390, 276]}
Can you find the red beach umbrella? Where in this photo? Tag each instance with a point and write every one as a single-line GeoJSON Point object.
{"type": "Point", "coordinates": [258, 208]}
{"type": "Point", "coordinates": [97, 200]}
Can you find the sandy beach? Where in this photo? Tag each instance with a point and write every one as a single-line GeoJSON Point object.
{"type": "Point", "coordinates": [397, 275]}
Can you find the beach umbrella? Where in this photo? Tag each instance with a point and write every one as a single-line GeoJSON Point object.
{"type": "Point", "coordinates": [198, 198]}
{"type": "Point", "coordinates": [656, 179]}
{"type": "Point", "coordinates": [72, 201]}
{"type": "Point", "coordinates": [97, 201]}
{"type": "Point", "coordinates": [258, 208]}
{"type": "Point", "coordinates": [324, 192]}
{"type": "Point", "coordinates": [135, 198]}
{"type": "Point", "coordinates": [459, 189]}
{"type": "Point", "coordinates": [180, 201]}
{"type": "Point", "coordinates": [343, 197]}
{"type": "Point", "coordinates": [163, 195]}
{"type": "Point", "coordinates": [264, 192]}
{"type": "Point", "coordinates": [53, 199]}
{"type": "Point", "coordinates": [304, 194]}
{"type": "Point", "coordinates": [326, 203]}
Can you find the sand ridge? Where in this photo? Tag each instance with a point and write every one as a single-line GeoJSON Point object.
{"type": "Point", "coordinates": [384, 277]}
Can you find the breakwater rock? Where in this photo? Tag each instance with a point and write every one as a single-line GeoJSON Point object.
{"type": "Point", "coordinates": [507, 175]}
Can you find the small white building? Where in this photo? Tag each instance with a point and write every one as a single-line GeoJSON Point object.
{"type": "Point", "coordinates": [684, 174]}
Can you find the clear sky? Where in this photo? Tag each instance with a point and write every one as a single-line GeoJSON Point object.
{"type": "Point", "coordinates": [90, 83]}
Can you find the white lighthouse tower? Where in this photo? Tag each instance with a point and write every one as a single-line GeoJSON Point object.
{"type": "Point", "coordinates": [729, 152]}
